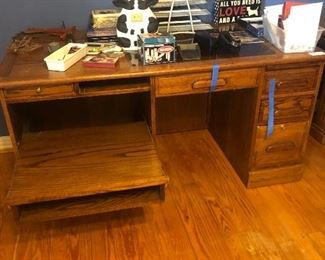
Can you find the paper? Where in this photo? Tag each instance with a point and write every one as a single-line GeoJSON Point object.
{"type": "Point", "coordinates": [300, 28]}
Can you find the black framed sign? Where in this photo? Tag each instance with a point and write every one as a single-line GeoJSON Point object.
{"type": "Point", "coordinates": [228, 11]}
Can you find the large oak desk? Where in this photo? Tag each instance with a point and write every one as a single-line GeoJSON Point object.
{"type": "Point", "coordinates": [83, 138]}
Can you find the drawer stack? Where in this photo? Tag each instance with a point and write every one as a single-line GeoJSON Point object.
{"type": "Point", "coordinates": [278, 158]}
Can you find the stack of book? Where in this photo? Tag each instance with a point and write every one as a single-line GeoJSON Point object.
{"type": "Point", "coordinates": [103, 26]}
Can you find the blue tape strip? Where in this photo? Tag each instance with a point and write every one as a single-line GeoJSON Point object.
{"type": "Point", "coordinates": [215, 76]}
{"type": "Point", "coordinates": [270, 123]}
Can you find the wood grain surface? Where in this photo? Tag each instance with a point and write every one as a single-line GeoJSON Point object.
{"type": "Point", "coordinates": [201, 82]}
{"type": "Point", "coordinates": [289, 109]}
{"type": "Point", "coordinates": [181, 113]}
{"type": "Point", "coordinates": [208, 214]}
{"type": "Point", "coordinates": [231, 123]}
{"type": "Point", "coordinates": [89, 205]}
{"type": "Point", "coordinates": [291, 80]}
{"type": "Point", "coordinates": [318, 126]}
{"type": "Point", "coordinates": [77, 162]}
{"type": "Point", "coordinates": [8, 226]}
{"type": "Point", "coordinates": [14, 72]}
{"type": "Point", "coordinates": [35, 93]}
{"type": "Point", "coordinates": [277, 175]}
{"type": "Point", "coordinates": [284, 147]}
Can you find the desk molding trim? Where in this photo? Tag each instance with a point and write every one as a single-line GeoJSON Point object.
{"type": "Point", "coordinates": [5, 144]}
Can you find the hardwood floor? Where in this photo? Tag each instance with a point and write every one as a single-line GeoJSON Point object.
{"type": "Point", "coordinates": [208, 214]}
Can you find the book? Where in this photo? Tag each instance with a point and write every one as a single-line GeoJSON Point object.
{"type": "Point", "coordinates": [102, 35]}
{"type": "Point", "coordinates": [100, 61]}
{"type": "Point", "coordinates": [287, 8]}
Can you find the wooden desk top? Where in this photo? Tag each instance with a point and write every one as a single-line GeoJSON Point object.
{"type": "Point", "coordinates": [30, 69]}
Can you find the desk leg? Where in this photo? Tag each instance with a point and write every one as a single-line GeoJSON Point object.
{"type": "Point", "coordinates": [8, 121]}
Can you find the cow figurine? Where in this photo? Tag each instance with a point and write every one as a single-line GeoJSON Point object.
{"type": "Point", "coordinates": [135, 18]}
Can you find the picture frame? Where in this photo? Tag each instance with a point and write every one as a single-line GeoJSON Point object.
{"type": "Point", "coordinates": [228, 11]}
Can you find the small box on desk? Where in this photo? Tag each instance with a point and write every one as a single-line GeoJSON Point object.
{"type": "Point", "coordinates": [65, 57]}
{"type": "Point", "coordinates": [292, 26]}
{"type": "Point", "coordinates": [300, 43]}
{"type": "Point", "coordinates": [156, 48]}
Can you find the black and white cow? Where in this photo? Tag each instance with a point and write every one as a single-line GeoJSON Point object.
{"type": "Point", "coordinates": [135, 18]}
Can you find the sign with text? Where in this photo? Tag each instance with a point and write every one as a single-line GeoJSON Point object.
{"type": "Point", "coordinates": [228, 11]}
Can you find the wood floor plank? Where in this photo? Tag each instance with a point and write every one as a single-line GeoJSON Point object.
{"type": "Point", "coordinates": [211, 193]}
{"type": "Point", "coordinates": [145, 233]}
{"type": "Point", "coordinates": [315, 165]}
{"type": "Point", "coordinates": [294, 213]}
{"type": "Point", "coordinates": [207, 214]}
{"type": "Point", "coordinates": [33, 243]}
{"type": "Point", "coordinates": [318, 240]}
{"type": "Point", "coordinates": [8, 228]}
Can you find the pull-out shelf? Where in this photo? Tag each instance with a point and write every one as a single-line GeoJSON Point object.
{"type": "Point", "coordinates": [82, 171]}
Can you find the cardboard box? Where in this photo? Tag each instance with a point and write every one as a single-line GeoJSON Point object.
{"type": "Point", "coordinates": [157, 48]}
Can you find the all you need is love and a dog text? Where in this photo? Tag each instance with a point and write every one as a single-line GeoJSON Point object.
{"type": "Point", "coordinates": [229, 11]}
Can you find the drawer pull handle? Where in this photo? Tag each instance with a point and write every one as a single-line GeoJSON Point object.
{"type": "Point", "coordinates": [205, 84]}
{"type": "Point", "coordinates": [38, 90]}
{"type": "Point", "coordinates": [278, 147]}
{"type": "Point", "coordinates": [299, 82]}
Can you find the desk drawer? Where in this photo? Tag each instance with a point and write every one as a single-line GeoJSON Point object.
{"type": "Point", "coordinates": [38, 92]}
{"type": "Point", "coordinates": [292, 80]}
{"type": "Point", "coordinates": [283, 147]}
{"type": "Point", "coordinates": [288, 109]}
{"type": "Point", "coordinates": [200, 82]}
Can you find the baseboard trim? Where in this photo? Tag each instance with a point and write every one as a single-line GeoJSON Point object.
{"type": "Point", "coordinates": [5, 144]}
{"type": "Point", "coordinates": [267, 177]}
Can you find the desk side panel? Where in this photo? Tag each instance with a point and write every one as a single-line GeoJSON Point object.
{"type": "Point", "coordinates": [232, 120]}
{"type": "Point", "coordinates": [181, 113]}
{"type": "Point", "coordinates": [14, 131]}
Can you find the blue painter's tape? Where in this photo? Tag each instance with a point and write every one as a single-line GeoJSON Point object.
{"type": "Point", "coordinates": [215, 76]}
{"type": "Point", "coordinates": [270, 123]}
